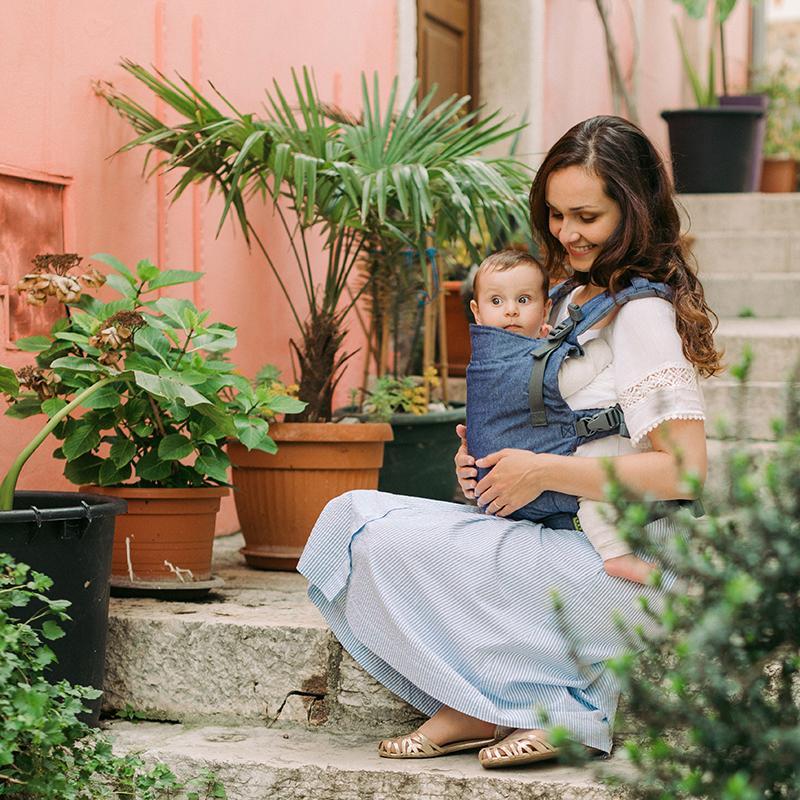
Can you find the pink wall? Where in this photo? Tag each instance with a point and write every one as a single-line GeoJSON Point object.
{"type": "Point", "coordinates": [53, 121]}
{"type": "Point", "coordinates": [576, 82]}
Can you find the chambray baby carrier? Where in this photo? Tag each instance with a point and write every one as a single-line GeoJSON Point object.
{"type": "Point", "coordinates": [513, 398]}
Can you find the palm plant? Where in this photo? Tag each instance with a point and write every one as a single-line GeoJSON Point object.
{"type": "Point", "coordinates": [403, 173]}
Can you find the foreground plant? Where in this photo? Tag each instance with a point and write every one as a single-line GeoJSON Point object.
{"type": "Point", "coordinates": [46, 752]}
{"type": "Point", "coordinates": [157, 395]}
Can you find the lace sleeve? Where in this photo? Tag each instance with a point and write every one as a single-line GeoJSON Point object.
{"type": "Point", "coordinates": [654, 380]}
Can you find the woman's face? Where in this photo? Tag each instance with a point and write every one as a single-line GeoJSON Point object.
{"type": "Point", "coordinates": [582, 216]}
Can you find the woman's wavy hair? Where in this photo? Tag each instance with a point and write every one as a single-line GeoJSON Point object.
{"type": "Point", "coordinates": [648, 240]}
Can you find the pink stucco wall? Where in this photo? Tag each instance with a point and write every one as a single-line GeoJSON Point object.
{"type": "Point", "coordinates": [52, 52]}
{"type": "Point", "coordinates": [576, 82]}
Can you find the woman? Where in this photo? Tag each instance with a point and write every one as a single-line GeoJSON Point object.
{"type": "Point", "coordinates": [452, 609]}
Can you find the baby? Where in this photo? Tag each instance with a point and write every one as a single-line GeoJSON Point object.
{"type": "Point", "coordinates": [510, 291]}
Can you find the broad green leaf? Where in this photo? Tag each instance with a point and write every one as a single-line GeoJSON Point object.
{"type": "Point", "coordinates": [105, 397]}
{"type": "Point", "coordinates": [83, 438]}
{"type": "Point", "coordinates": [213, 463]}
{"type": "Point", "coordinates": [135, 409]}
{"type": "Point", "coordinates": [33, 344]}
{"type": "Point", "coordinates": [150, 383]}
{"type": "Point", "coordinates": [153, 342]}
{"type": "Point", "coordinates": [8, 381]}
{"type": "Point", "coordinates": [174, 277]}
{"type": "Point", "coordinates": [267, 445]}
{"type": "Point", "coordinates": [79, 338]}
{"type": "Point", "coordinates": [24, 407]}
{"type": "Point", "coordinates": [175, 447]}
{"type": "Point", "coordinates": [122, 451]}
{"type": "Point", "coordinates": [152, 468]}
{"type": "Point", "coordinates": [110, 474]}
{"type": "Point", "coordinates": [114, 262]}
{"type": "Point", "coordinates": [86, 322]}
{"type": "Point", "coordinates": [121, 285]}
{"type": "Point", "coordinates": [146, 270]}
{"type": "Point", "coordinates": [250, 430]}
{"type": "Point", "coordinates": [283, 404]}
{"type": "Point", "coordinates": [83, 470]}
{"type": "Point", "coordinates": [76, 363]}
{"type": "Point", "coordinates": [51, 630]}
{"type": "Point", "coordinates": [189, 377]}
{"type": "Point", "coordinates": [53, 405]}
{"type": "Point", "coordinates": [172, 308]}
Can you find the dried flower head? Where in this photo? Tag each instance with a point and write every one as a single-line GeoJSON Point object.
{"type": "Point", "coordinates": [115, 334]}
{"type": "Point", "coordinates": [50, 279]}
{"type": "Point", "coordinates": [56, 263]}
{"type": "Point", "coordinates": [43, 382]}
{"type": "Point", "coordinates": [94, 279]}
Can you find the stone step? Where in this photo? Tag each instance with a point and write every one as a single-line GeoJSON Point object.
{"type": "Point", "coordinates": [774, 343]}
{"type": "Point", "coordinates": [756, 212]}
{"type": "Point", "coordinates": [746, 252]}
{"type": "Point", "coordinates": [256, 650]}
{"type": "Point", "coordinates": [256, 763]}
{"type": "Point", "coordinates": [762, 295]}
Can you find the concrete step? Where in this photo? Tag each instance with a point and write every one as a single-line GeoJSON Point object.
{"type": "Point", "coordinates": [756, 212]}
{"type": "Point", "coordinates": [256, 650]}
{"type": "Point", "coordinates": [256, 763]}
{"type": "Point", "coordinates": [774, 343]}
{"type": "Point", "coordinates": [747, 251]}
{"type": "Point", "coordinates": [760, 295]}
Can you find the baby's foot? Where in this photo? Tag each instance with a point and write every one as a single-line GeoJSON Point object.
{"type": "Point", "coordinates": [629, 567]}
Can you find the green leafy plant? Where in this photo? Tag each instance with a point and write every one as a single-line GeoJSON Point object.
{"type": "Point", "coordinates": [157, 396]}
{"type": "Point", "coordinates": [783, 117]}
{"type": "Point", "coordinates": [407, 395]}
{"type": "Point", "coordinates": [705, 91]}
{"type": "Point", "coordinates": [400, 175]}
{"type": "Point", "coordinates": [46, 751]}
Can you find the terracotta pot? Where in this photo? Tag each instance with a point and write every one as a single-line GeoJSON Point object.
{"type": "Point", "coordinates": [779, 175]}
{"type": "Point", "coordinates": [456, 329]}
{"type": "Point", "coordinates": [279, 497]}
{"type": "Point", "coordinates": [164, 527]}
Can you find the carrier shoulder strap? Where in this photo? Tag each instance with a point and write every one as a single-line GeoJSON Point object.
{"type": "Point", "coordinates": [580, 319]}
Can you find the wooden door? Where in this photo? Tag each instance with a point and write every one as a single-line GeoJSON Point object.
{"type": "Point", "coordinates": [447, 45]}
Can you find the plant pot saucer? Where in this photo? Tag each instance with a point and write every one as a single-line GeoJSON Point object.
{"type": "Point", "coordinates": [285, 559]}
{"type": "Point", "coordinates": [164, 590]}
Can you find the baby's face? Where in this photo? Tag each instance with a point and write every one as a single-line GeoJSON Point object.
{"type": "Point", "coordinates": [512, 299]}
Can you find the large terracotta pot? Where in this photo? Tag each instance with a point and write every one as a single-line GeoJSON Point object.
{"type": "Point", "coordinates": [279, 497]}
{"type": "Point", "coordinates": [779, 175]}
{"type": "Point", "coordinates": [167, 536]}
{"type": "Point", "coordinates": [459, 349]}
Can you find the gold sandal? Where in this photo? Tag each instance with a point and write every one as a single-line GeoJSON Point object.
{"type": "Point", "coordinates": [418, 745]}
{"type": "Point", "coordinates": [520, 747]}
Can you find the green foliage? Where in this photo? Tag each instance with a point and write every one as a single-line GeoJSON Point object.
{"type": "Point", "coordinates": [46, 752]}
{"type": "Point", "coordinates": [400, 173]}
{"type": "Point", "coordinates": [783, 117]}
{"type": "Point", "coordinates": [716, 689]}
{"type": "Point", "coordinates": [408, 395]}
{"type": "Point", "coordinates": [157, 396]}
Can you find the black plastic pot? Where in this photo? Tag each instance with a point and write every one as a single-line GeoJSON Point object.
{"type": "Point", "coordinates": [760, 101]}
{"type": "Point", "coordinates": [713, 149]}
{"type": "Point", "coordinates": [69, 537]}
{"type": "Point", "coordinates": [419, 460]}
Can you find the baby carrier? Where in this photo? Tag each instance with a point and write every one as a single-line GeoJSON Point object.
{"type": "Point", "coordinates": [513, 399]}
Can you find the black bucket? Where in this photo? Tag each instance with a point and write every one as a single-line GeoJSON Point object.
{"type": "Point", "coordinates": [713, 149]}
{"type": "Point", "coordinates": [69, 537]}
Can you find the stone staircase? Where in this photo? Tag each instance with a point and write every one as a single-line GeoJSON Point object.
{"type": "Point", "coordinates": [252, 684]}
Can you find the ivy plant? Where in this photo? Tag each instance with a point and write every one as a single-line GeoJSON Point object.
{"type": "Point", "coordinates": [137, 387]}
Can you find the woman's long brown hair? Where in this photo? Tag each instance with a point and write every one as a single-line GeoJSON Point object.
{"type": "Point", "coordinates": [648, 240]}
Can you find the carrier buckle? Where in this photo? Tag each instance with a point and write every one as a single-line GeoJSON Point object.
{"type": "Point", "coordinates": [607, 419]}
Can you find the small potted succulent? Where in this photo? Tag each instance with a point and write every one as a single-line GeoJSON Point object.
{"type": "Point", "coordinates": [159, 400]}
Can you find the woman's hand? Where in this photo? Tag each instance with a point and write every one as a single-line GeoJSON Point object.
{"type": "Point", "coordinates": [517, 477]}
{"type": "Point", "coordinates": [465, 465]}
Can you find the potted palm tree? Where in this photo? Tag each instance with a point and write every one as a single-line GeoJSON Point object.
{"type": "Point", "coordinates": [400, 174]}
{"type": "Point", "coordinates": [158, 400]}
{"type": "Point", "coordinates": [715, 146]}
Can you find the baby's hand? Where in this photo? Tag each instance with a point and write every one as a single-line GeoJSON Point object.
{"type": "Point", "coordinates": [544, 330]}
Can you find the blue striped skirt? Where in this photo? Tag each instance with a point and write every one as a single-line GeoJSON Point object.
{"type": "Point", "coordinates": [445, 605]}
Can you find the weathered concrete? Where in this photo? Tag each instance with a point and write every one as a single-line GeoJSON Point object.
{"type": "Point", "coordinates": [746, 252]}
{"type": "Point", "coordinates": [762, 213]}
{"type": "Point", "coordinates": [255, 650]}
{"type": "Point", "coordinates": [764, 294]}
{"type": "Point", "coordinates": [761, 401]}
{"type": "Point", "coordinates": [265, 764]}
{"type": "Point", "coordinates": [775, 345]}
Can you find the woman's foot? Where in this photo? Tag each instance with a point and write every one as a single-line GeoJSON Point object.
{"type": "Point", "coordinates": [447, 731]}
{"type": "Point", "coordinates": [519, 747]}
{"type": "Point", "coordinates": [629, 567]}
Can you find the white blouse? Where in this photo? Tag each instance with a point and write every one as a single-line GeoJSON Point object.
{"type": "Point", "coordinates": [648, 375]}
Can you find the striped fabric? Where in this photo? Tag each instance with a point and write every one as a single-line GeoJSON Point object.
{"type": "Point", "coordinates": [445, 605]}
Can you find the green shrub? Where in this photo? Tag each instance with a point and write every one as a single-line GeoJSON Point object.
{"type": "Point", "coordinates": [46, 752]}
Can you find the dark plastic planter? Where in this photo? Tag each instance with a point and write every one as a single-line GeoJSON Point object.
{"type": "Point", "coordinates": [69, 537]}
{"type": "Point", "coordinates": [760, 101]}
{"type": "Point", "coordinates": [419, 461]}
{"type": "Point", "coordinates": [713, 149]}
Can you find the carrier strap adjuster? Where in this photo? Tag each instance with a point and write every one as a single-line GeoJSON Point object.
{"type": "Point", "coordinates": [608, 419]}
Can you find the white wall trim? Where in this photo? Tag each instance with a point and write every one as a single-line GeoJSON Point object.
{"type": "Point", "coordinates": [406, 46]}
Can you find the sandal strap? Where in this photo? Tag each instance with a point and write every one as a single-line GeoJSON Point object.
{"type": "Point", "coordinates": [520, 744]}
{"type": "Point", "coordinates": [412, 744]}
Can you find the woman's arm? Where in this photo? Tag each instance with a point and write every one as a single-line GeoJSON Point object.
{"type": "Point", "coordinates": [519, 476]}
